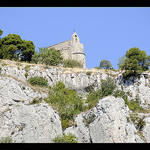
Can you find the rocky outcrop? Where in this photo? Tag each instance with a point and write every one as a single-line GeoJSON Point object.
{"type": "Point", "coordinates": [24, 122]}
{"type": "Point", "coordinates": [107, 122]}
{"type": "Point", "coordinates": [37, 123]}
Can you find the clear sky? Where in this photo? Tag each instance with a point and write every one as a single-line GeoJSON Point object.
{"type": "Point", "coordinates": [106, 32]}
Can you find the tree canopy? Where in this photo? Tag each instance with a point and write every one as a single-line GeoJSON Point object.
{"type": "Point", "coordinates": [105, 64]}
{"type": "Point", "coordinates": [13, 47]}
{"type": "Point", "coordinates": [134, 62]}
{"type": "Point", "coordinates": [48, 56]}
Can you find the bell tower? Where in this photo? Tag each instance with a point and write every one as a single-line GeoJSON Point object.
{"type": "Point", "coordinates": [75, 38]}
{"type": "Point", "coordinates": [76, 48]}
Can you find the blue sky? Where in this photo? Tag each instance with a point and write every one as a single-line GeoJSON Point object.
{"type": "Point", "coordinates": [106, 32]}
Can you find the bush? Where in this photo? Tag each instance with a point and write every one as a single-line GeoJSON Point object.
{"type": "Point", "coordinates": [93, 97]}
{"type": "Point", "coordinates": [119, 93]}
{"type": "Point", "coordinates": [70, 138]}
{"type": "Point", "coordinates": [107, 86]}
{"type": "Point", "coordinates": [40, 81]}
{"type": "Point", "coordinates": [134, 106]}
{"type": "Point", "coordinates": [72, 63]}
{"type": "Point", "coordinates": [6, 140]}
{"type": "Point", "coordinates": [36, 100]}
{"type": "Point", "coordinates": [65, 101]}
{"type": "Point", "coordinates": [47, 56]}
{"type": "Point", "coordinates": [105, 64]}
{"type": "Point", "coordinates": [88, 73]}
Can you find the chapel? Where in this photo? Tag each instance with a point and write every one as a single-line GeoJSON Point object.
{"type": "Point", "coordinates": [72, 49]}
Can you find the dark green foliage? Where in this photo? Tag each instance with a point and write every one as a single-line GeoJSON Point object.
{"type": "Point", "coordinates": [1, 32]}
{"type": "Point", "coordinates": [70, 138]}
{"type": "Point", "coordinates": [141, 123]}
{"type": "Point", "coordinates": [0, 70]}
{"type": "Point", "coordinates": [72, 63]}
{"type": "Point", "coordinates": [107, 88]}
{"type": "Point", "coordinates": [88, 73]}
{"type": "Point", "coordinates": [93, 97]}
{"type": "Point", "coordinates": [137, 121]}
{"type": "Point", "coordinates": [48, 56]}
{"type": "Point", "coordinates": [65, 101]}
{"type": "Point", "coordinates": [119, 93]}
{"type": "Point", "coordinates": [40, 81]}
{"type": "Point", "coordinates": [27, 49]}
{"type": "Point", "coordinates": [121, 64]}
{"type": "Point", "coordinates": [105, 64]}
{"type": "Point", "coordinates": [13, 47]}
{"type": "Point", "coordinates": [134, 62]}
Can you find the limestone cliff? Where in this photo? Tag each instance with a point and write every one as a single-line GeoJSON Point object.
{"type": "Point", "coordinates": [109, 121]}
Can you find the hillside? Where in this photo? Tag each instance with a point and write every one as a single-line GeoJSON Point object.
{"type": "Point", "coordinates": [112, 119]}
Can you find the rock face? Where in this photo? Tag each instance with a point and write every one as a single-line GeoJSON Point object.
{"type": "Point", "coordinates": [12, 92]}
{"type": "Point", "coordinates": [111, 124]}
{"type": "Point", "coordinates": [107, 122]}
{"type": "Point", "coordinates": [30, 123]}
{"type": "Point", "coordinates": [23, 122]}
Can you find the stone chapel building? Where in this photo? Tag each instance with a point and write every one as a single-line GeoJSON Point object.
{"type": "Point", "coordinates": [72, 49]}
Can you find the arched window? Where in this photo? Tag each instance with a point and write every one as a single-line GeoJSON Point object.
{"type": "Point", "coordinates": [76, 38]}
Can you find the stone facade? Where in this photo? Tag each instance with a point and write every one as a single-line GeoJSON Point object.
{"type": "Point", "coordinates": [72, 49]}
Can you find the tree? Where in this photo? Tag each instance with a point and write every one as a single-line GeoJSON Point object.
{"type": "Point", "coordinates": [27, 50]}
{"type": "Point", "coordinates": [13, 47]}
{"type": "Point", "coordinates": [134, 62]}
{"type": "Point", "coordinates": [105, 64]}
{"type": "Point", "coordinates": [48, 56]}
{"type": "Point", "coordinates": [121, 62]}
{"type": "Point", "coordinates": [1, 32]}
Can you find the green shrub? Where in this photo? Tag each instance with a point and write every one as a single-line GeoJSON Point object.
{"type": "Point", "coordinates": [88, 73]}
{"type": "Point", "coordinates": [107, 86]}
{"type": "Point", "coordinates": [27, 68]}
{"type": "Point", "coordinates": [141, 123]}
{"type": "Point", "coordinates": [105, 64]}
{"type": "Point", "coordinates": [26, 74]}
{"type": "Point", "coordinates": [65, 101]}
{"type": "Point", "coordinates": [134, 106]}
{"type": "Point", "coordinates": [6, 140]}
{"type": "Point", "coordinates": [119, 93]}
{"type": "Point", "coordinates": [92, 98]}
{"type": "Point", "coordinates": [36, 100]}
{"type": "Point", "coordinates": [40, 81]}
{"type": "Point", "coordinates": [137, 121]}
{"type": "Point", "coordinates": [70, 138]}
{"type": "Point", "coordinates": [72, 63]}
{"type": "Point", "coordinates": [47, 56]}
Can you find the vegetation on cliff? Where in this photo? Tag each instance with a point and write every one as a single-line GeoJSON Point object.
{"type": "Point", "coordinates": [134, 62]}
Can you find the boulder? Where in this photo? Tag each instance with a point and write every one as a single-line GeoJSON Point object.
{"type": "Point", "coordinates": [37, 123]}
{"type": "Point", "coordinates": [107, 122]}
